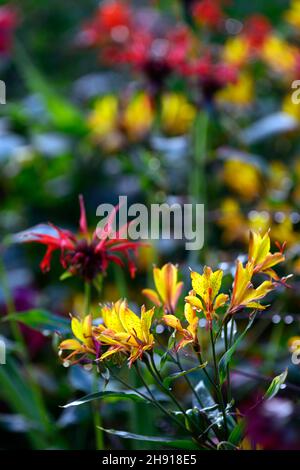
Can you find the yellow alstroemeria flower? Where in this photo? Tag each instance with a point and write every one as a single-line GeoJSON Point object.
{"type": "Point", "coordinates": [177, 114]}
{"type": "Point", "coordinates": [189, 334]}
{"type": "Point", "coordinates": [244, 295]}
{"type": "Point", "coordinates": [167, 287]}
{"type": "Point", "coordinates": [279, 54]}
{"type": "Point", "coordinates": [292, 15]}
{"type": "Point", "coordinates": [207, 287]}
{"type": "Point", "coordinates": [124, 332]}
{"type": "Point", "coordinates": [248, 183]}
{"type": "Point", "coordinates": [260, 257]}
{"type": "Point", "coordinates": [236, 51]}
{"type": "Point", "coordinates": [137, 117]}
{"type": "Point", "coordinates": [84, 344]}
{"type": "Point", "coordinates": [240, 93]}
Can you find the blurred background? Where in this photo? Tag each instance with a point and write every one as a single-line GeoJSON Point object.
{"type": "Point", "coordinates": [162, 101]}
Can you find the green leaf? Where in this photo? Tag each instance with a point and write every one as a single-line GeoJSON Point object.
{"type": "Point", "coordinates": [163, 441]}
{"type": "Point", "coordinates": [124, 395]}
{"type": "Point", "coordinates": [167, 381]}
{"type": "Point", "coordinates": [226, 358]}
{"type": "Point", "coordinates": [237, 434]}
{"type": "Point", "coordinates": [275, 385]}
{"type": "Point", "coordinates": [63, 114]}
{"type": "Point", "coordinates": [165, 357]}
{"type": "Point", "coordinates": [40, 320]}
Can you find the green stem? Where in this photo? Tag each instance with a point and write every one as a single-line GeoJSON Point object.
{"type": "Point", "coordinates": [97, 415]}
{"type": "Point", "coordinates": [96, 410]}
{"type": "Point", "coordinates": [87, 298]}
{"type": "Point", "coordinates": [219, 389]}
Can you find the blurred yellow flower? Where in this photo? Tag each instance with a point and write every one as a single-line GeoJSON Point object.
{"type": "Point", "coordinates": [288, 107]}
{"type": "Point", "coordinates": [240, 93]}
{"type": "Point", "coordinates": [124, 332]}
{"type": "Point", "coordinates": [168, 289]}
{"type": "Point", "coordinates": [279, 54]}
{"type": "Point", "coordinates": [104, 118]}
{"type": "Point", "coordinates": [177, 114]}
{"type": "Point", "coordinates": [236, 51]}
{"type": "Point", "coordinates": [138, 117]}
{"type": "Point", "coordinates": [113, 123]}
{"type": "Point", "coordinates": [189, 334]}
{"type": "Point", "coordinates": [232, 221]}
{"type": "Point", "coordinates": [207, 286]}
{"type": "Point", "coordinates": [243, 178]}
{"type": "Point", "coordinates": [83, 344]}
{"type": "Point", "coordinates": [292, 15]}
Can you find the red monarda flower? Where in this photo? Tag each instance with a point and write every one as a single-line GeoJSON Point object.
{"type": "Point", "coordinates": [212, 76]}
{"type": "Point", "coordinates": [257, 29]}
{"type": "Point", "coordinates": [156, 56]}
{"type": "Point", "coordinates": [207, 12]}
{"type": "Point", "coordinates": [111, 23]}
{"type": "Point", "coordinates": [81, 254]}
{"type": "Point", "coordinates": [8, 23]}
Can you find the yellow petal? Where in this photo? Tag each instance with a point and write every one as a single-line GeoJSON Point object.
{"type": "Point", "coordinates": [76, 326]}
{"type": "Point", "coordinates": [193, 300]}
{"type": "Point", "coordinates": [173, 322]}
{"type": "Point", "coordinates": [146, 320]}
{"type": "Point", "coordinates": [70, 344]}
{"type": "Point", "coordinates": [130, 321]}
{"type": "Point", "coordinates": [221, 299]}
{"type": "Point", "coordinates": [152, 296]}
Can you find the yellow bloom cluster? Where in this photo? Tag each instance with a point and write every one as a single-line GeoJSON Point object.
{"type": "Point", "coordinates": [124, 332]}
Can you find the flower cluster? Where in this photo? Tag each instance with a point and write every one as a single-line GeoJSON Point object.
{"type": "Point", "coordinates": [125, 333]}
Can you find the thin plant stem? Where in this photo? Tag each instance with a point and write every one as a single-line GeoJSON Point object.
{"type": "Point", "coordinates": [220, 396]}
{"type": "Point", "coordinates": [96, 410]}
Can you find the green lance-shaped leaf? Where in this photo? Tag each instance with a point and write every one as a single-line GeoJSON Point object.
{"type": "Point", "coordinates": [167, 381]}
{"type": "Point", "coordinates": [124, 395]}
{"type": "Point", "coordinates": [163, 441]}
{"type": "Point", "coordinates": [226, 358]}
{"type": "Point", "coordinates": [41, 320]}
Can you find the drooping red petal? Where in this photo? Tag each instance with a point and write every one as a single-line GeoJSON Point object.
{"type": "Point", "coordinates": [83, 227]}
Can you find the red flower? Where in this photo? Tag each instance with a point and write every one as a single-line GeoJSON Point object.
{"type": "Point", "coordinates": [155, 55]}
{"type": "Point", "coordinates": [257, 29]}
{"type": "Point", "coordinates": [111, 23]}
{"type": "Point", "coordinates": [80, 254]}
{"type": "Point", "coordinates": [208, 12]}
{"type": "Point", "coordinates": [212, 76]}
{"type": "Point", "coordinates": [8, 23]}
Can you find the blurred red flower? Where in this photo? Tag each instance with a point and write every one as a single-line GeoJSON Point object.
{"type": "Point", "coordinates": [8, 23]}
{"type": "Point", "coordinates": [208, 12]}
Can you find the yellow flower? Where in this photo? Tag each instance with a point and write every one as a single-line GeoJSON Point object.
{"type": "Point", "coordinates": [240, 93]}
{"type": "Point", "coordinates": [207, 287]}
{"type": "Point", "coordinates": [292, 16]}
{"type": "Point", "coordinates": [177, 114]}
{"type": "Point", "coordinates": [124, 332]}
{"type": "Point", "coordinates": [243, 178]}
{"type": "Point", "coordinates": [84, 344]}
{"type": "Point", "coordinates": [168, 289]}
{"type": "Point", "coordinates": [104, 118]}
{"type": "Point", "coordinates": [279, 54]}
{"type": "Point", "coordinates": [137, 117]}
{"type": "Point", "coordinates": [291, 108]}
{"type": "Point", "coordinates": [244, 295]}
{"type": "Point", "coordinates": [188, 335]}
{"type": "Point", "coordinates": [260, 257]}
{"type": "Point", "coordinates": [236, 51]}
